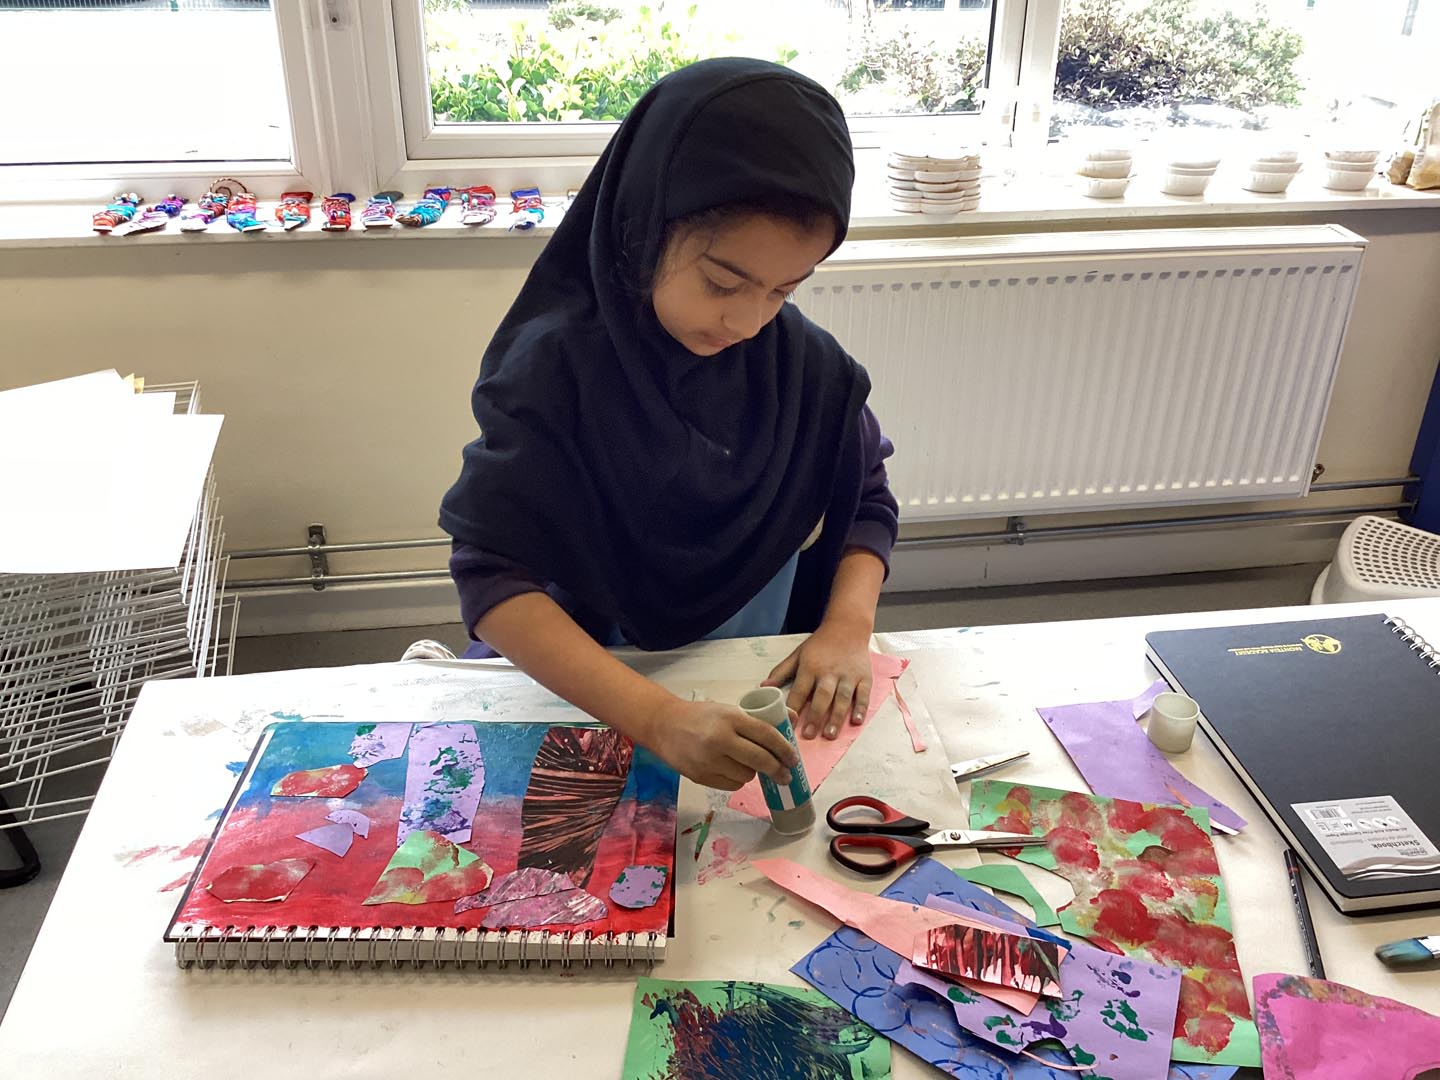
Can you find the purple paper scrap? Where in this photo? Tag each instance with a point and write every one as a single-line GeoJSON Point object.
{"type": "Point", "coordinates": [359, 824]}
{"type": "Point", "coordinates": [444, 777]}
{"type": "Point", "coordinates": [638, 886]}
{"type": "Point", "coordinates": [1112, 1008]}
{"type": "Point", "coordinates": [375, 743]}
{"type": "Point", "coordinates": [335, 839]}
{"type": "Point", "coordinates": [1119, 761]}
{"type": "Point", "coordinates": [859, 976]}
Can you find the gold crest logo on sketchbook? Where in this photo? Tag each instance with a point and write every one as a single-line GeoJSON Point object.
{"type": "Point", "coordinates": [1321, 643]}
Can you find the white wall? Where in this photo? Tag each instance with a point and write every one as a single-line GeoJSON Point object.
{"type": "Point", "coordinates": [344, 371]}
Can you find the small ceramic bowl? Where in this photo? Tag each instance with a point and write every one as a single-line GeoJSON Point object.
{"type": "Point", "coordinates": [1191, 170]}
{"type": "Point", "coordinates": [1342, 180]}
{"type": "Point", "coordinates": [1259, 165]}
{"type": "Point", "coordinates": [1367, 156]}
{"type": "Point", "coordinates": [1195, 165]}
{"type": "Point", "coordinates": [1185, 183]}
{"type": "Point", "coordinates": [1106, 170]}
{"type": "Point", "coordinates": [937, 176]}
{"type": "Point", "coordinates": [1109, 153]}
{"type": "Point", "coordinates": [1106, 187]}
{"type": "Point", "coordinates": [1268, 182]}
{"type": "Point", "coordinates": [1278, 156]}
{"type": "Point", "coordinates": [941, 209]}
{"type": "Point", "coordinates": [951, 196]}
{"type": "Point", "coordinates": [1351, 166]}
{"type": "Point", "coordinates": [906, 206]}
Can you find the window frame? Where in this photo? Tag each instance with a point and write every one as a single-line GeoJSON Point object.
{"type": "Point", "coordinates": [411, 145]}
{"type": "Point", "coordinates": [295, 25]}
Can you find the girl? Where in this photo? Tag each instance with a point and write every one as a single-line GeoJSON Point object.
{"type": "Point", "coordinates": [668, 450]}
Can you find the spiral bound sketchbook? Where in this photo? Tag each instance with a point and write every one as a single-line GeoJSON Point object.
{"type": "Point", "coordinates": [1334, 726]}
{"type": "Point", "coordinates": [420, 844]}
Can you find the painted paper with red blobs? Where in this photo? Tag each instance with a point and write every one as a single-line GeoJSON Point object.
{"type": "Point", "coordinates": [989, 956]}
{"type": "Point", "coordinates": [331, 782]}
{"type": "Point", "coordinates": [260, 828]}
{"type": "Point", "coordinates": [426, 869]}
{"type": "Point", "coordinates": [1147, 884]}
{"type": "Point", "coordinates": [260, 883]}
{"type": "Point", "coordinates": [1314, 1029]}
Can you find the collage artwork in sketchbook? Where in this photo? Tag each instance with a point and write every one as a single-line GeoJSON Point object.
{"type": "Point", "coordinates": [458, 825]}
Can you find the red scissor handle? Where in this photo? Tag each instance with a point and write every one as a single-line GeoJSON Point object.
{"type": "Point", "coordinates": [889, 821]}
{"type": "Point", "coordinates": [898, 850]}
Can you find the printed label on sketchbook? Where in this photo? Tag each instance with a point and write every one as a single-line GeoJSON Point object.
{"type": "Point", "coordinates": [1365, 836]}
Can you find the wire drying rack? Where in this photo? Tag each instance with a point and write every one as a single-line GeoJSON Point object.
{"type": "Point", "coordinates": [75, 650]}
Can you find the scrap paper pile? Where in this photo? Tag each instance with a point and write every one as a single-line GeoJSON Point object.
{"type": "Point", "coordinates": [1006, 999]}
{"type": "Point", "coordinates": [920, 182]}
{"type": "Point", "coordinates": [462, 825]}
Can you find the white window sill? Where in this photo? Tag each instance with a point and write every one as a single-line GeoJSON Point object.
{"type": "Point", "coordinates": [1047, 199]}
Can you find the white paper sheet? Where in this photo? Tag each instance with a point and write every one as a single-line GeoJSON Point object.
{"type": "Point", "coordinates": [95, 477]}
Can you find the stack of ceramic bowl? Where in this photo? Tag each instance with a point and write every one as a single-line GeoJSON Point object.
{"type": "Point", "coordinates": [1189, 176]}
{"type": "Point", "coordinates": [1272, 171]}
{"type": "Point", "coordinates": [923, 184]}
{"type": "Point", "coordinates": [1350, 170]}
{"type": "Point", "coordinates": [1107, 172]}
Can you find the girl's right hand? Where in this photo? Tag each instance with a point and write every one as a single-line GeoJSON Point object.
{"type": "Point", "coordinates": [719, 746]}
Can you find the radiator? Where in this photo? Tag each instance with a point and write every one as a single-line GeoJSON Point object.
{"type": "Point", "coordinates": [1095, 371]}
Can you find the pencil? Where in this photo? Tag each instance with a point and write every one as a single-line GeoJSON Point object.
{"type": "Point", "coordinates": [1302, 909]}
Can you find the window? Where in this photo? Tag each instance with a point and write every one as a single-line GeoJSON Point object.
{"type": "Point", "coordinates": [163, 89]}
{"type": "Point", "coordinates": [507, 78]}
{"type": "Point", "coordinates": [1291, 68]}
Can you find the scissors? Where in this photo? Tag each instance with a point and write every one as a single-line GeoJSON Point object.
{"type": "Point", "coordinates": [901, 837]}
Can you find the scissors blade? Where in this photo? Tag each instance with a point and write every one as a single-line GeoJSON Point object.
{"type": "Point", "coordinates": [981, 838]}
{"type": "Point", "coordinates": [969, 770]}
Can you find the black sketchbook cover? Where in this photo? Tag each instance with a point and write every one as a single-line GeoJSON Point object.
{"type": "Point", "coordinates": [1320, 711]}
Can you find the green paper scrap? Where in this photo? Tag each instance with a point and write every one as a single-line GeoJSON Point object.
{"type": "Point", "coordinates": [427, 868]}
{"type": "Point", "coordinates": [681, 1030]}
{"type": "Point", "coordinates": [1012, 880]}
{"type": "Point", "coordinates": [1147, 884]}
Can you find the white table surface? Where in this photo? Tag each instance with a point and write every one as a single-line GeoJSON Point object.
{"type": "Point", "coordinates": [101, 995]}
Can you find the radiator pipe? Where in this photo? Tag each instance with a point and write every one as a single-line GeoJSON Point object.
{"type": "Point", "coordinates": [1056, 532]}
{"type": "Point", "coordinates": [444, 541]}
{"type": "Point", "coordinates": [1060, 532]}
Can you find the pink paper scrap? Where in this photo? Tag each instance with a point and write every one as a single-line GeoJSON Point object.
{"type": "Point", "coordinates": [820, 754]}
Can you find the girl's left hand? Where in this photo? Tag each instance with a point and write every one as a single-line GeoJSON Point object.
{"type": "Point", "coordinates": [829, 675]}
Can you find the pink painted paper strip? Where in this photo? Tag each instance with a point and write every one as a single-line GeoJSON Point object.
{"type": "Point", "coordinates": [989, 956]}
{"type": "Point", "coordinates": [1311, 1029]}
{"type": "Point", "coordinates": [889, 922]}
{"type": "Point", "coordinates": [820, 754]}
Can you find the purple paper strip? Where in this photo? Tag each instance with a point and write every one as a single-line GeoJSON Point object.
{"type": "Point", "coordinates": [638, 886]}
{"type": "Point", "coordinates": [358, 823]}
{"type": "Point", "coordinates": [335, 839]}
{"type": "Point", "coordinates": [381, 743]}
{"type": "Point", "coordinates": [561, 908]}
{"type": "Point", "coordinates": [1118, 761]}
{"type": "Point", "coordinates": [443, 781]}
{"type": "Point", "coordinates": [1118, 1009]}
{"type": "Point", "coordinates": [517, 885]}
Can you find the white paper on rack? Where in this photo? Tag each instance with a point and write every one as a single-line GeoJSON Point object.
{"type": "Point", "coordinates": [94, 477]}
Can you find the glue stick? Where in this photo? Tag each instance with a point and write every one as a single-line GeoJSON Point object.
{"type": "Point", "coordinates": [791, 811]}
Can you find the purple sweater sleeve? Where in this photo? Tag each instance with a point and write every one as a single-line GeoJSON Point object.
{"type": "Point", "coordinates": [877, 519]}
{"type": "Point", "coordinates": [485, 580]}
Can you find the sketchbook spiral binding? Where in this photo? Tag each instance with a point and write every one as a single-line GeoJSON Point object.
{"type": "Point", "coordinates": [1418, 645]}
{"type": "Point", "coordinates": [397, 947]}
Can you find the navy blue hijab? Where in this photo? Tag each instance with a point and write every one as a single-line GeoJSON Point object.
{"type": "Point", "coordinates": [659, 489]}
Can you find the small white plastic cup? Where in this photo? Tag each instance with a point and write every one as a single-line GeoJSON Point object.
{"type": "Point", "coordinates": [1170, 722]}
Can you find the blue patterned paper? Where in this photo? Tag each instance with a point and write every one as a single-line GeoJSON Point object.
{"type": "Point", "coordinates": [859, 975]}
